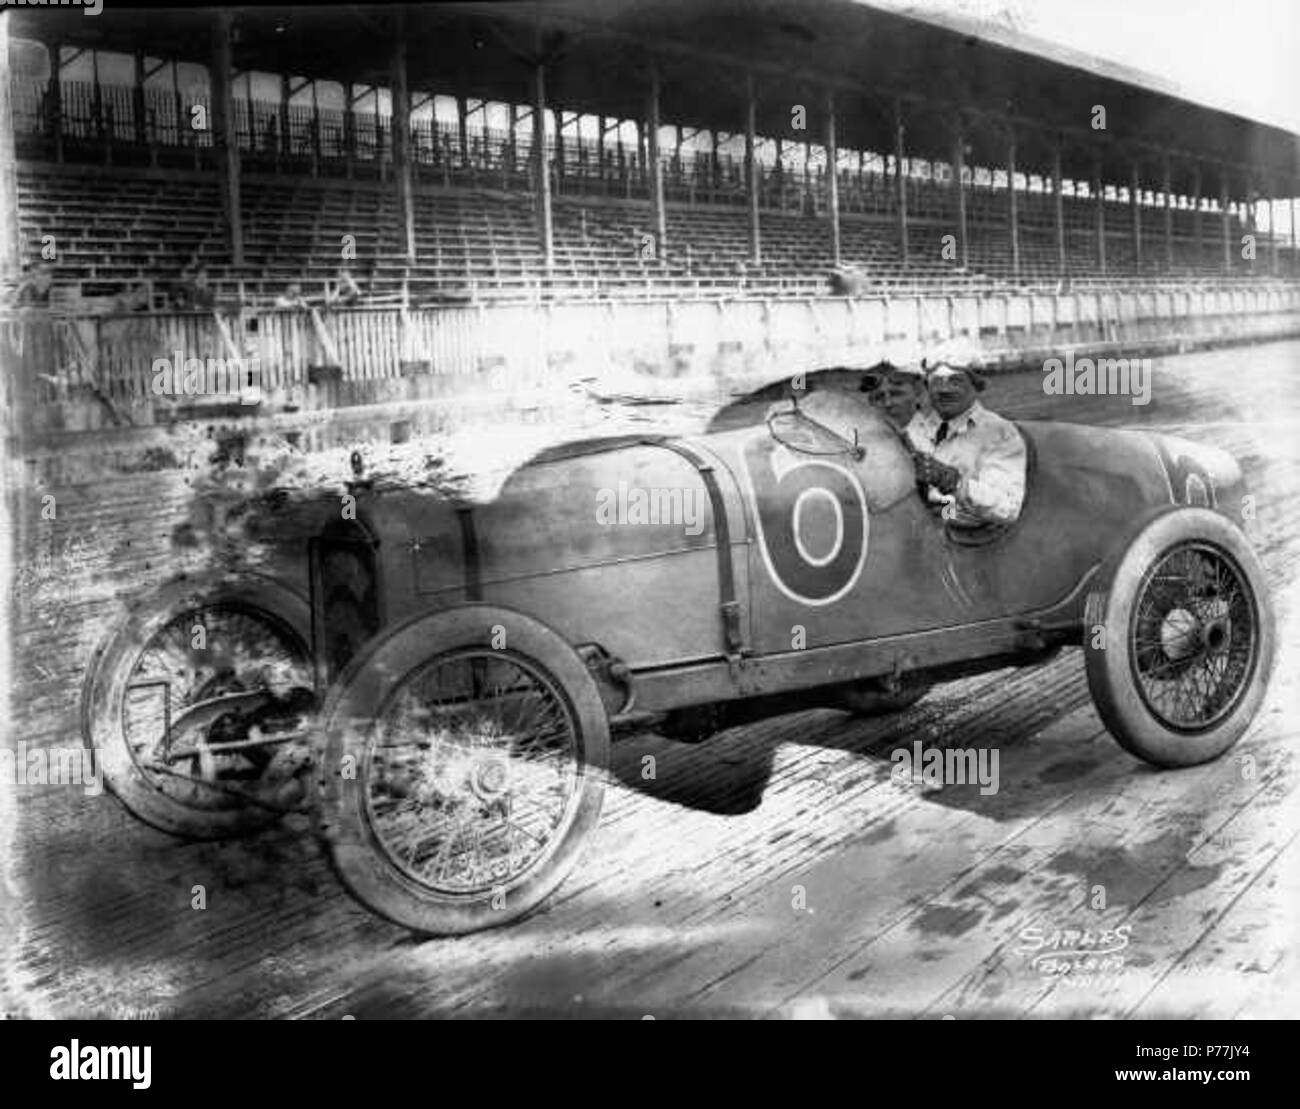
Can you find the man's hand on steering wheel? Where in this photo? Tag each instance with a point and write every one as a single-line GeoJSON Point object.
{"type": "Point", "coordinates": [931, 472]}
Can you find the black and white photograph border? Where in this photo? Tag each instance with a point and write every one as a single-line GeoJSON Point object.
{"type": "Point", "coordinates": [602, 509]}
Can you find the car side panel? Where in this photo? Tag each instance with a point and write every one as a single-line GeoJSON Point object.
{"type": "Point", "coordinates": [649, 592]}
{"type": "Point", "coordinates": [1082, 493]}
{"type": "Point", "coordinates": [565, 544]}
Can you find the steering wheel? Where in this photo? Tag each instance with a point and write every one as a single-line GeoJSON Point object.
{"type": "Point", "coordinates": [853, 449]}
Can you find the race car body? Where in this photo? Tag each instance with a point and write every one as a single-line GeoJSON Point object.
{"type": "Point", "coordinates": [715, 551]}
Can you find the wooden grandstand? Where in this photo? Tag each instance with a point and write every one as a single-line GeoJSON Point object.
{"type": "Point", "coordinates": [692, 189]}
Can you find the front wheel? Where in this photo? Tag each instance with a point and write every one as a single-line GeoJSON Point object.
{"type": "Point", "coordinates": [197, 704]}
{"type": "Point", "coordinates": [1187, 638]}
{"type": "Point", "coordinates": [460, 769]}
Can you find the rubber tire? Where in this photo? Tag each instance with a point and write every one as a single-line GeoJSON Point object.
{"type": "Point", "coordinates": [340, 802]}
{"type": "Point", "coordinates": [105, 686]}
{"type": "Point", "coordinates": [1109, 669]}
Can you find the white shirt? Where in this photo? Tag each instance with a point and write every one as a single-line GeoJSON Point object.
{"type": "Point", "coordinates": [989, 453]}
{"type": "Point", "coordinates": [921, 430]}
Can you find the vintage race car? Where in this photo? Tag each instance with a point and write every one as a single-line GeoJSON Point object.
{"type": "Point", "coordinates": [437, 682]}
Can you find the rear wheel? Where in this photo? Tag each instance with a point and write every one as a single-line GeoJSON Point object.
{"type": "Point", "coordinates": [1188, 639]}
{"type": "Point", "coordinates": [197, 705]}
{"type": "Point", "coordinates": [460, 769]}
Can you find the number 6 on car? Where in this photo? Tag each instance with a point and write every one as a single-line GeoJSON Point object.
{"type": "Point", "coordinates": [807, 567]}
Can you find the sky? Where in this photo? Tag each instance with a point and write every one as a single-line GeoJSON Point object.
{"type": "Point", "coordinates": [1238, 55]}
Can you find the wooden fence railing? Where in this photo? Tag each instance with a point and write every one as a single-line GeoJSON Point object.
{"type": "Point", "coordinates": [110, 361]}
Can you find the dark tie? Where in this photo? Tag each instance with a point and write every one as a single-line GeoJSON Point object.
{"type": "Point", "coordinates": [942, 433]}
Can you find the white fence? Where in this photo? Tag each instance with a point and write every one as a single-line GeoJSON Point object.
{"type": "Point", "coordinates": [102, 364]}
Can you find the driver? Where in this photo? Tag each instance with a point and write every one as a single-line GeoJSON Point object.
{"type": "Point", "coordinates": [973, 460]}
{"type": "Point", "coordinates": [900, 394]}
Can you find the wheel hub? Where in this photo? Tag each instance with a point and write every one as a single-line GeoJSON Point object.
{"type": "Point", "coordinates": [1216, 634]}
{"type": "Point", "coordinates": [474, 768]}
{"type": "Point", "coordinates": [1179, 638]}
{"type": "Point", "coordinates": [490, 778]}
{"type": "Point", "coordinates": [1192, 637]}
{"type": "Point", "coordinates": [471, 768]}
{"type": "Point", "coordinates": [1185, 635]}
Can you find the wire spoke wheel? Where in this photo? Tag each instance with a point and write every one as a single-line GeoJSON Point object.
{"type": "Point", "coordinates": [244, 659]}
{"type": "Point", "coordinates": [458, 774]}
{"type": "Point", "coordinates": [197, 705]}
{"type": "Point", "coordinates": [1189, 639]}
{"type": "Point", "coordinates": [1194, 634]}
{"type": "Point", "coordinates": [472, 770]}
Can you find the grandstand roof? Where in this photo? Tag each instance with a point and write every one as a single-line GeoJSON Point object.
{"type": "Point", "coordinates": [795, 50]}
